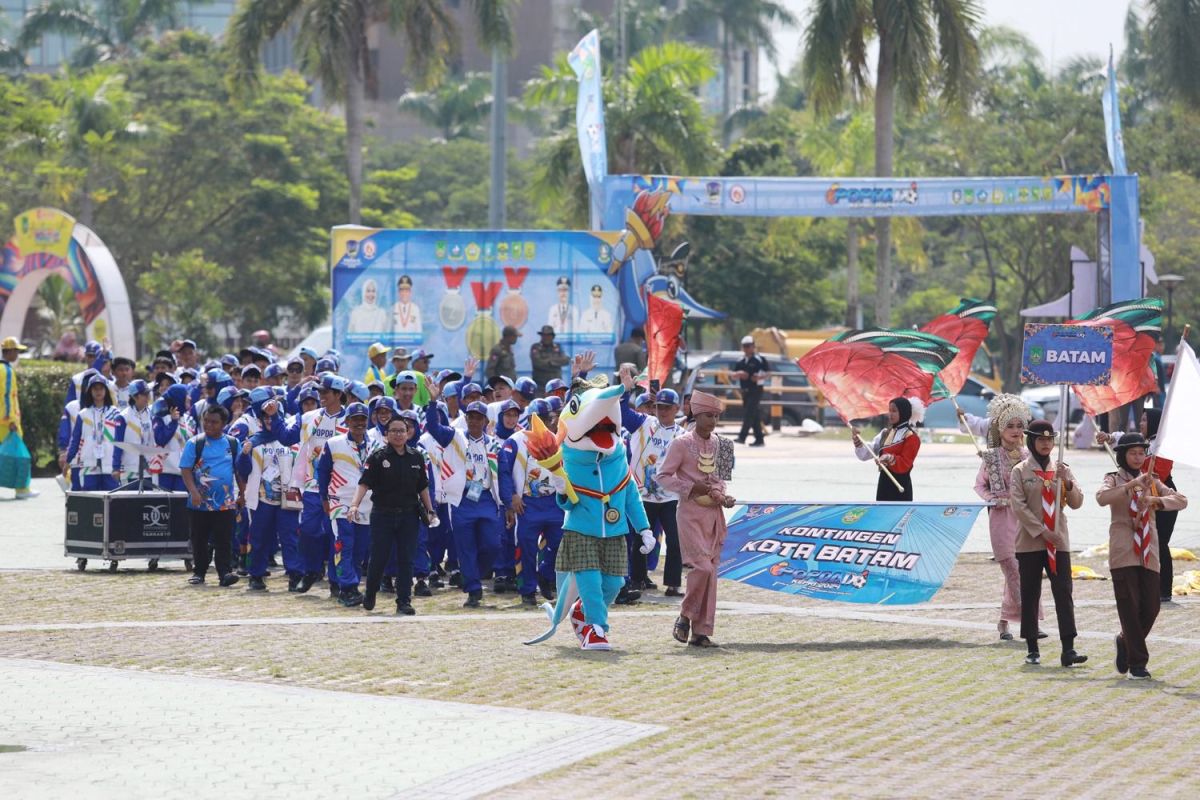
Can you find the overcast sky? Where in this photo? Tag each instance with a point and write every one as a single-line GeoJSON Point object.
{"type": "Point", "coordinates": [1061, 29]}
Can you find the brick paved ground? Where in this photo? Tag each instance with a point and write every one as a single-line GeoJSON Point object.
{"type": "Point", "coordinates": [804, 696]}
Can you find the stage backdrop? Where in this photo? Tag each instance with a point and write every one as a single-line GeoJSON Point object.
{"type": "Point", "coordinates": [451, 292]}
{"type": "Point", "coordinates": [883, 553]}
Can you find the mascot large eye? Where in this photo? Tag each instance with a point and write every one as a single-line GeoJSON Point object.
{"type": "Point", "coordinates": [673, 289]}
{"type": "Point", "coordinates": [573, 406]}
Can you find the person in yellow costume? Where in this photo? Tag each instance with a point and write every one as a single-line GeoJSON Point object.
{"type": "Point", "coordinates": [10, 406]}
{"type": "Point", "coordinates": [377, 359]}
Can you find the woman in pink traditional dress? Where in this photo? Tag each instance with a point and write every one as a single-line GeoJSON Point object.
{"type": "Point", "coordinates": [1007, 417]}
{"type": "Point", "coordinates": [692, 468]}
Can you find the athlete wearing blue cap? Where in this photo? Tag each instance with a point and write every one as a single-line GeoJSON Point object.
{"type": "Point", "coordinates": [338, 470]}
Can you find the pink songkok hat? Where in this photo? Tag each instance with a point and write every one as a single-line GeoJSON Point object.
{"type": "Point", "coordinates": [703, 402]}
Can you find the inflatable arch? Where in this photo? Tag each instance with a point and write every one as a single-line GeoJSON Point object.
{"type": "Point", "coordinates": [48, 242]}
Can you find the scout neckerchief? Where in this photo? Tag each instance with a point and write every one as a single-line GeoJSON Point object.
{"type": "Point", "coordinates": [1141, 528]}
{"type": "Point", "coordinates": [1048, 520]}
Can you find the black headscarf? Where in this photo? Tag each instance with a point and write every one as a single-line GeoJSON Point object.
{"type": "Point", "coordinates": [1032, 434]}
{"type": "Point", "coordinates": [1127, 443]}
{"type": "Point", "coordinates": [1153, 417]}
{"type": "Point", "coordinates": [904, 408]}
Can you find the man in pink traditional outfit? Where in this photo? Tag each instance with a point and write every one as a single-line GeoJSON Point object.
{"type": "Point", "coordinates": [689, 469]}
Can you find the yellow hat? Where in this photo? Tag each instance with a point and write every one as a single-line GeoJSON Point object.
{"type": "Point", "coordinates": [12, 343]}
{"type": "Point", "coordinates": [376, 349]}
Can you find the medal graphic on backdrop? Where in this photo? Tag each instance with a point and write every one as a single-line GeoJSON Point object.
{"type": "Point", "coordinates": [453, 309]}
{"type": "Point", "coordinates": [483, 333]}
{"type": "Point", "coordinates": [513, 308]}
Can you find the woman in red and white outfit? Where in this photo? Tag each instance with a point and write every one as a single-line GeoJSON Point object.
{"type": "Point", "coordinates": [896, 446]}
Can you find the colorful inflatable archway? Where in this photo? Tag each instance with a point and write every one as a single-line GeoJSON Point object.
{"type": "Point", "coordinates": [48, 242]}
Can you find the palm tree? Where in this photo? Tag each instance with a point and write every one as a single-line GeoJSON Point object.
{"type": "Point", "coordinates": [741, 23]}
{"type": "Point", "coordinates": [1173, 30]}
{"type": "Point", "coordinates": [652, 117]}
{"type": "Point", "coordinates": [107, 29]}
{"type": "Point", "coordinates": [331, 46]}
{"type": "Point", "coordinates": [844, 151]}
{"type": "Point", "coordinates": [921, 43]}
{"type": "Point", "coordinates": [456, 109]}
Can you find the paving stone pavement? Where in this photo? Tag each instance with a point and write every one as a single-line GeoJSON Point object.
{"type": "Point", "coordinates": [92, 732]}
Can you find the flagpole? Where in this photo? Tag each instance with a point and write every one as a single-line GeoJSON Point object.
{"type": "Point", "coordinates": [875, 458]}
{"type": "Point", "coordinates": [961, 424]}
{"type": "Point", "coordinates": [1166, 405]}
{"type": "Point", "coordinates": [1058, 479]}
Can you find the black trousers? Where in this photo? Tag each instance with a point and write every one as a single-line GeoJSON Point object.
{"type": "Point", "coordinates": [663, 514]}
{"type": "Point", "coordinates": [1136, 590]}
{"type": "Point", "coordinates": [212, 535]}
{"type": "Point", "coordinates": [751, 416]}
{"type": "Point", "coordinates": [393, 531]}
{"type": "Point", "coordinates": [1164, 523]}
{"type": "Point", "coordinates": [1030, 567]}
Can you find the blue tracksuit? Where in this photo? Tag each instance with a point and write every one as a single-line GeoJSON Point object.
{"type": "Point", "coordinates": [506, 556]}
{"type": "Point", "coordinates": [286, 522]}
{"type": "Point", "coordinates": [538, 530]}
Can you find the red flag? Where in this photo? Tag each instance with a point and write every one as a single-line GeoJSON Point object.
{"type": "Point", "coordinates": [664, 323]}
{"type": "Point", "coordinates": [1133, 375]}
{"type": "Point", "coordinates": [965, 327]}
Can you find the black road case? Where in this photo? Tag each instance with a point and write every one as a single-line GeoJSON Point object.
{"type": "Point", "coordinates": [114, 526]}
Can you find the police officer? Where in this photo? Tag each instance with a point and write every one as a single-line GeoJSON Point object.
{"type": "Point", "coordinates": [395, 474]}
{"type": "Point", "coordinates": [547, 357]}
{"type": "Point", "coordinates": [502, 360]}
{"type": "Point", "coordinates": [751, 369]}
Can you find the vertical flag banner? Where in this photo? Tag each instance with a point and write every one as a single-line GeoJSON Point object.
{"type": "Point", "coordinates": [1179, 428]}
{"type": "Point", "coordinates": [881, 553]}
{"type": "Point", "coordinates": [1112, 121]}
{"type": "Point", "coordinates": [965, 327]}
{"type": "Point", "coordinates": [860, 372]}
{"type": "Point", "coordinates": [589, 114]}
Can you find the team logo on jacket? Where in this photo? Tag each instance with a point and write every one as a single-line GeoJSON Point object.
{"type": "Point", "coordinates": [612, 515]}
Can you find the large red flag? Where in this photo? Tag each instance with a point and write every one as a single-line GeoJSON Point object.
{"type": "Point", "coordinates": [1133, 375]}
{"type": "Point", "coordinates": [965, 327]}
{"type": "Point", "coordinates": [664, 323]}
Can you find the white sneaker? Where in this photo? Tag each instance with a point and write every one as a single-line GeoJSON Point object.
{"type": "Point", "coordinates": [28, 495]}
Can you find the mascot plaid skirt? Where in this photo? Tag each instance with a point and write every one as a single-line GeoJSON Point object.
{"type": "Point", "coordinates": [579, 553]}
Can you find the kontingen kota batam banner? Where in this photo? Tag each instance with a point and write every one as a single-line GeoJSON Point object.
{"type": "Point", "coordinates": [883, 553]}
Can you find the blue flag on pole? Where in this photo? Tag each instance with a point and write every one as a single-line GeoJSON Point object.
{"type": "Point", "coordinates": [589, 113]}
{"type": "Point", "coordinates": [881, 553]}
{"type": "Point", "coordinates": [1112, 121]}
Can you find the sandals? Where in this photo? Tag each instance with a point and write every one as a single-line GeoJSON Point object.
{"type": "Point", "coordinates": [683, 627]}
{"type": "Point", "coordinates": [702, 641]}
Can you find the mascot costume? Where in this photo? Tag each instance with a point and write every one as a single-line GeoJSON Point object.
{"type": "Point", "coordinates": [602, 505]}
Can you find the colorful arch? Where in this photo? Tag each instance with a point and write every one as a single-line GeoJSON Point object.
{"type": "Point", "coordinates": [48, 242]}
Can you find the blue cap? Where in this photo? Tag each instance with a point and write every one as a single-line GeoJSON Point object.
{"type": "Point", "coordinates": [273, 371]}
{"type": "Point", "coordinates": [508, 405]}
{"type": "Point", "coordinates": [137, 387]}
{"type": "Point", "coordinates": [308, 393]}
{"type": "Point", "coordinates": [230, 360]}
{"type": "Point", "coordinates": [211, 364]}
{"type": "Point", "coordinates": [642, 399]}
{"type": "Point", "coordinates": [186, 372]}
{"type": "Point", "coordinates": [225, 396]}
{"type": "Point", "coordinates": [251, 369]}
{"type": "Point", "coordinates": [280, 391]}
{"type": "Point", "coordinates": [357, 410]}
{"type": "Point", "coordinates": [410, 415]}
{"type": "Point", "coordinates": [334, 382]}
{"type": "Point", "coordinates": [465, 389]}
{"type": "Point", "coordinates": [326, 365]}
{"type": "Point", "coordinates": [187, 343]}
{"type": "Point", "coordinates": [334, 354]}
{"type": "Point", "coordinates": [446, 375]}
{"type": "Point", "coordinates": [555, 402]}
{"type": "Point", "coordinates": [554, 384]}
{"type": "Point", "coordinates": [383, 401]}
{"type": "Point", "coordinates": [538, 408]}
{"type": "Point", "coordinates": [421, 353]}
{"type": "Point", "coordinates": [451, 389]}
{"type": "Point", "coordinates": [667, 397]}
{"type": "Point", "coordinates": [477, 408]}
{"type": "Point", "coordinates": [359, 390]}
{"type": "Point", "coordinates": [492, 381]}
{"type": "Point", "coordinates": [405, 376]}
{"type": "Point", "coordinates": [526, 386]}
{"type": "Point", "coordinates": [92, 348]}
{"type": "Point", "coordinates": [97, 380]}
{"type": "Point", "coordinates": [217, 376]}
{"type": "Point", "coordinates": [308, 352]}
{"type": "Point", "coordinates": [176, 395]}
{"type": "Point", "coordinates": [260, 396]}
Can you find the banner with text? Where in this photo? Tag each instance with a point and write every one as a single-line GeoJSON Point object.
{"type": "Point", "coordinates": [1066, 354]}
{"type": "Point", "coordinates": [881, 553]}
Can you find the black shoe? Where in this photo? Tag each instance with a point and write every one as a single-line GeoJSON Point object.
{"type": "Point", "coordinates": [435, 582]}
{"type": "Point", "coordinates": [649, 586]}
{"type": "Point", "coordinates": [759, 443]}
{"type": "Point", "coordinates": [306, 583]}
{"type": "Point", "coordinates": [368, 602]}
{"type": "Point", "coordinates": [473, 599]}
{"type": "Point", "coordinates": [500, 585]}
{"type": "Point", "coordinates": [1165, 600]}
{"type": "Point", "coordinates": [350, 597]}
{"type": "Point", "coordinates": [673, 591]}
{"type": "Point", "coordinates": [1139, 674]}
{"type": "Point", "coordinates": [547, 588]}
{"type": "Point", "coordinates": [1122, 656]}
{"type": "Point", "coordinates": [1070, 658]}
{"type": "Point", "coordinates": [229, 579]}
{"type": "Point", "coordinates": [422, 589]}
{"type": "Point", "coordinates": [455, 580]}
{"type": "Point", "coordinates": [1042, 634]}
{"type": "Point", "coordinates": [529, 600]}
{"type": "Point", "coordinates": [335, 591]}
{"type": "Point", "coordinates": [294, 582]}
{"type": "Point", "coordinates": [241, 572]}
{"type": "Point", "coordinates": [196, 580]}
{"type": "Point", "coordinates": [627, 596]}
{"type": "Point", "coordinates": [388, 586]}
{"type": "Point", "coordinates": [740, 441]}
{"type": "Point", "coordinates": [1033, 658]}
{"type": "Point", "coordinates": [258, 585]}
{"type": "Point", "coordinates": [405, 609]}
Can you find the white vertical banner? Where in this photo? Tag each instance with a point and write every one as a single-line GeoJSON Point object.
{"type": "Point", "coordinates": [1179, 428]}
{"type": "Point", "coordinates": [589, 116]}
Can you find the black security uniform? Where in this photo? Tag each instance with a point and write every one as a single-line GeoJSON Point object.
{"type": "Point", "coordinates": [752, 393]}
{"type": "Point", "coordinates": [396, 481]}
